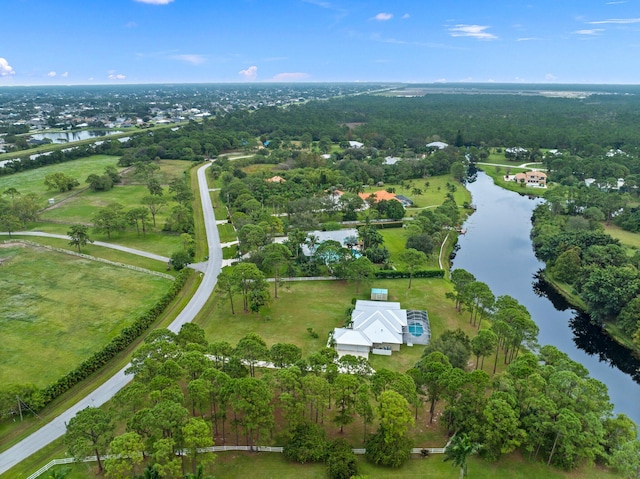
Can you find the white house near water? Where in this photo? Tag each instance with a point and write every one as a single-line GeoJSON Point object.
{"type": "Point", "coordinates": [380, 327]}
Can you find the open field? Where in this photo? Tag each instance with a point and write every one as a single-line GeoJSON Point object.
{"type": "Point", "coordinates": [432, 195]}
{"type": "Point", "coordinates": [395, 240]}
{"type": "Point", "coordinates": [57, 309]}
{"type": "Point", "coordinates": [321, 305]}
{"type": "Point", "coordinates": [627, 238]}
{"type": "Point", "coordinates": [101, 252]}
{"type": "Point", "coordinates": [32, 181]}
{"type": "Point", "coordinates": [169, 169]}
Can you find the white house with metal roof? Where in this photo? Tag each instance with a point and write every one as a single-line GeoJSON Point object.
{"type": "Point", "coordinates": [379, 327]}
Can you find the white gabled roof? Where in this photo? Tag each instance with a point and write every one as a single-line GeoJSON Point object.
{"type": "Point", "coordinates": [350, 337]}
{"type": "Point", "coordinates": [363, 303]}
{"type": "Point", "coordinates": [378, 330]}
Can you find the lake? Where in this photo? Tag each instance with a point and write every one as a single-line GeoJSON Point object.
{"type": "Point", "coordinates": [72, 136]}
{"type": "Point", "coordinates": [498, 251]}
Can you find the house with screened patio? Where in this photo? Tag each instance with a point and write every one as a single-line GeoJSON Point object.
{"type": "Point", "coordinates": [380, 327]}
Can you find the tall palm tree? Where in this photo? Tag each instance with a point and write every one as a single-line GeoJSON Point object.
{"type": "Point", "coordinates": [458, 450]}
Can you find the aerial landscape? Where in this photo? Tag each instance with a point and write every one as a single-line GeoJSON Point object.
{"type": "Point", "coordinates": [319, 239]}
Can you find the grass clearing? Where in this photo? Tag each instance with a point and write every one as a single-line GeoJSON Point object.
{"type": "Point", "coordinates": [432, 195]}
{"type": "Point", "coordinates": [321, 305]}
{"type": "Point", "coordinates": [32, 181]}
{"type": "Point", "coordinates": [395, 240]}
{"type": "Point", "coordinates": [227, 233]}
{"type": "Point", "coordinates": [50, 299]}
{"type": "Point", "coordinates": [627, 238]}
{"type": "Point", "coordinates": [101, 252]}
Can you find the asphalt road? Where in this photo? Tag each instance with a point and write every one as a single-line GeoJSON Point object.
{"type": "Point", "coordinates": [56, 427]}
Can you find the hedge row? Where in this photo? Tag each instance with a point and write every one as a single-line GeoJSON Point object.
{"type": "Point", "coordinates": [425, 273]}
{"type": "Point", "coordinates": [118, 344]}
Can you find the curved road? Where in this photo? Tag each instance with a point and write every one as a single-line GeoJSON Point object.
{"type": "Point", "coordinates": [56, 428]}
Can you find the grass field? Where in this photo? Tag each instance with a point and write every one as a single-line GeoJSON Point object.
{"type": "Point", "coordinates": [227, 233]}
{"type": "Point", "coordinates": [632, 240]}
{"type": "Point", "coordinates": [32, 181]}
{"type": "Point", "coordinates": [433, 195]}
{"type": "Point", "coordinates": [239, 465]}
{"type": "Point", "coordinates": [395, 240]}
{"type": "Point", "coordinates": [105, 253]}
{"type": "Point", "coordinates": [321, 305]}
{"type": "Point", "coordinates": [57, 309]}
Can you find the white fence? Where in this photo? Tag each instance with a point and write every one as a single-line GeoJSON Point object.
{"type": "Point", "coordinates": [70, 460]}
{"type": "Point", "coordinates": [92, 258]}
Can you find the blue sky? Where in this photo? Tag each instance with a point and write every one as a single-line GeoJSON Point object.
{"type": "Point", "coordinates": [209, 41]}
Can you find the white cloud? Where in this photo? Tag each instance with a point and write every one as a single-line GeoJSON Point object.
{"type": "Point", "coordinates": [383, 17]}
{"type": "Point", "coordinates": [190, 58]}
{"type": "Point", "coordinates": [616, 21]}
{"type": "Point", "coordinates": [550, 77]}
{"type": "Point", "coordinates": [474, 31]}
{"type": "Point", "coordinates": [130, 25]}
{"type": "Point", "coordinates": [155, 2]}
{"type": "Point", "coordinates": [291, 76]}
{"type": "Point", "coordinates": [116, 76]}
{"type": "Point", "coordinates": [51, 74]}
{"type": "Point", "coordinates": [527, 39]}
{"type": "Point", "coordinates": [64, 75]}
{"type": "Point", "coordinates": [591, 32]}
{"type": "Point", "coordinates": [405, 16]}
{"type": "Point", "coordinates": [250, 73]}
{"type": "Point", "coordinates": [5, 68]}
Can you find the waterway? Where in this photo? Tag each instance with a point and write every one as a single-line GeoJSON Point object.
{"type": "Point", "coordinates": [73, 136]}
{"type": "Point", "coordinates": [498, 251]}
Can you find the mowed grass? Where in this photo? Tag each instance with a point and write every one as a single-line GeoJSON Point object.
{"type": "Point", "coordinates": [321, 305]}
{"type": "Point", "coordinates": [239, 465]}
{"type": "Point", "coordinates": [57, 309]}
{"type": "Point", "coordinates": [395, 239]}
{"type": "Point", "coordinates": [628, 238]}
{"type": "Point", "coordinates": [432, 195]}
{"type": "Point", "coordinates": [32, 181]}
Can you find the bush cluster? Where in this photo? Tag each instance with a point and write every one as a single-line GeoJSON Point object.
{"type": "Point", "coordinates": [393, 274]}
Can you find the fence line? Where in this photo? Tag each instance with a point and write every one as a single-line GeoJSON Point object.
{"type": "Point", "coordinates": [93, 258]}
{"type": "Point", "coordinates": [278, 449]}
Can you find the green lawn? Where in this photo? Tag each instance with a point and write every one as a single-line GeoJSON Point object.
{"type": "Point", "coordinates": [627, 238]}
{"type": "Point", "coordinates": [102, 252]}
{"type": "Point", "coordinates": [395, 240]}
{"type": "Point", "coordinates": [57, 309]}
{"type": "Point", "coordinates": [239, 465]}
{"type": "Point", "coordinates": [432, 195]}
{"type": "Point", "coordinates": [227, 233]}
{"type": "Point", "coordinates": [321, 305]}
{"type": "Point", "coordinates": [32, 181]}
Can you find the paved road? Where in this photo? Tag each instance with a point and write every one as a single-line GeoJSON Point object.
{"type": "Point", "coordinates": [56, 428]}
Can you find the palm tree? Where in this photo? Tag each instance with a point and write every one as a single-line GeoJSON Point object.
{"type": "Point", "coordinates": [59, 473]}
{"type": "Point", "coordinates": [458, 450]}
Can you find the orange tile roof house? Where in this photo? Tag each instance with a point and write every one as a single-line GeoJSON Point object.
{"type": "Point", "coordinates": [534, 179]}
{"type": "Point", "coordinates": [380, 195]}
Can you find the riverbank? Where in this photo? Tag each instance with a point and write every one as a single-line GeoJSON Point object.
{"type": "Point", "coordinates": [497, 250]}
{"type": "Point", "coordinates": [565, 290]}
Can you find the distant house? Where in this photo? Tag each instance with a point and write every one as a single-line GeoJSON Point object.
{"type": "Point", "coordinates": [531, 179]}
{"type": "Point", "coordinates": [276, 179]}
{"type": "Point", "coordinates": [391, 160]}
{"type": "Point", "coordinates": [355, 144]}
{"type": "Point", "coordinates": [338, 235]}
{"type": "Point", "coordinates": [379, 195]}
{"type": "Point", "coordinates": [440, 145]}
{"type": "Point", "coordinates": [380, 327]}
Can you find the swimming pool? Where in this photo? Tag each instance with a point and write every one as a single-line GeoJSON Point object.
{"type": "Point", "coordinates": [416, 329]}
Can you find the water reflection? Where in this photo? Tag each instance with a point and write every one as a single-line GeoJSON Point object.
{"type": "Point", "coordinates": [589, 336]}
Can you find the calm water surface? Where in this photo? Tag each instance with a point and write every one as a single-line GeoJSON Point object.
{"type": "Point", "coordinates": [497, 250]}
{"type": "Point", "coordinates": [72, 136]}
